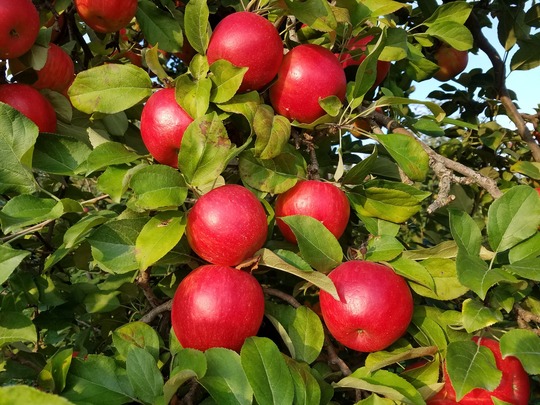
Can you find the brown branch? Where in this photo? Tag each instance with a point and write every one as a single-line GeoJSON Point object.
{"type": "Point", "coordinates": [153, 313]}
{"type": "Point", "coordinates": [524, 318]}
{"type": "Point", "coordinates": [500, 85]}
{"type": "Point", "coordinates": [289, 299]}
{"type": "Point", "coordinates": [143, 281]}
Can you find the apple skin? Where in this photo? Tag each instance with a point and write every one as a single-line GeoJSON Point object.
{"type": "Point", "coordinates": [163, 123]}
{"type": "Point", "coordinates": [31, 103]}
{"type": "Point", "coordinates": [19, 27]}
{"type": "Point", "coordinates": [58, 72]}
{"type": "Point", "coordinates": [217, 306]}
{"type": "Point", "coordinates": [348, 61]}
{"type": "Point", "coordinates": [451, 62]}
{"type": "Point", "coordinates": [307, 74]}
{"type": "Point", "coordinates": [248, 40]}
{"type": "Point", "coordinates": [320, 200]}
{"type": "Point", "coordinates": [106, 15]}
{"type": "Point", "coordinates": [514, 387]}
{"type": "Point", "coordinates": [375, 306]}
{"type": "Point", "coordinates": [227, 225]}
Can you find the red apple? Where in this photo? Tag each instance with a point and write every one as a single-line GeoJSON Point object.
{"type": "Point", "coordinates": [248, 40]}
{"type": "Point", "coordinates": [19, 27]}
{"type": "Point", "coordinates": [31, 103]}
{"type": "Point", "coordinates": [307, 74]}
{"type": "Point", "coordinates": [320, 200]}
{"type": "Point", "coordinates": [163, 123]}
{"type": "Point", "coordinates": [58, 72]}
{"type": "Point", "coordinates": [451, 62]}
{"type": "Point", "coordinates": [514, 387]}
{"type": "Point", "coordinates": [375, 306]}
{"type": "Point", "coordinates": [217, 306]}
{"type": "Point", "coordinates": [106, 15]}
{"type": "Point", "coordinates": [348, 60]}
{"type": "Point", "coordinates": [227, 225]}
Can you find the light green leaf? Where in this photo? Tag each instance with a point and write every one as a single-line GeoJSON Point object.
{"type": "Point", "coordinates": [383, 248]}
{"type": "Point", "coordinates": [25, 209]}
{"type": "Point", "coordinates": [315, 13]}
{"type": "Point", "coordinates": [454, 34]}
{"type": "Point", "coordinates": [457, 12]}
{"type": "Point", "coordinates": [307, 334]}
{"type": "Point", "coordinates": [107, 154]}
{"type": "Point", "coordinates": [477, 316]}
{"type": "Point", "coordinates": [109, 88]}
{"type": "Point", "coordinates": [408, 153]}
{"type": "Point", "coordinates": [267, 372]}
{"type": "Point", "coordinates": [16, 327]}
{"type": "Point", "coordinates": [273, 132]}
{"type": "Point", "coordinates": [24, 394]}
{"type": "Point", "coordinates": [227, 79]}
{"type": "Point", "coordinates": [528, 268]}
{"type": "Point", "coordinates": [137, 334]}
{"type": "Point", "coordinates": [306, 388]}
{"type": "Point", "coordinates": [158, 236]}
{"type": "Point", "coordinates": [245, 104]}
{"type": "Point", "coordinates": [525, 345]}
{"type": "Point", "coordinates": [9, 261]}
{"type": "Point", "coordinates": [196, 25]}
{"type": "Point", "coordinates": [193, 95]}
{"type": "Point", "coordinates": [529, 169]}
{"type": "Point", "coordinates": [53, 376]}
{"type": "Point", "coordinates": [513, 218]}
{"type": "Point", "coordinates": [465, 232]}
{"type": "Point", "coordinates": [444, 274]}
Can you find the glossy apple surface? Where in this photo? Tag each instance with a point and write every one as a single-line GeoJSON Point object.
{"type": "Point", "coordinates": [106, 15]}
{"type": "Point", "coordinates": [217, 306]}
{"type": "Point", "coordinates": [248, 40]}
{"type": "Point", "coordinates": [351, 59]}
{"type": "Point", "coordinates": [320, 200]}
{"type": "Point", "coordinates": [163, 123]}
{"type": "Point", "coordinates": [31, 103]}
{"type": "Point", "coordinates": [227, 225]}
{"type": "Point", "coordinates": [307, 74]}
{"type": "Point", "coordinates": [514, 387]}
{"type": "Point", "coordinates": [375, 306]}
{"type": "Point", "coordinates": [58, 72]}
{"type": "Point", "coordinates": [19, 27]}
{"type": "Point", "coordinates": [451, 62]}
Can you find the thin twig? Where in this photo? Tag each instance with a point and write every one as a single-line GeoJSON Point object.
{"type": "Point", "coordinates": [153, 313]}
{"type": "Point", "coordinates": [143, 281]}
{"type": "Point", "coordinates": [283, 296]}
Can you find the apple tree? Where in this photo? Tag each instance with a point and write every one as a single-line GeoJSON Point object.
{"type": "Point", "coordinates": [181, 181]}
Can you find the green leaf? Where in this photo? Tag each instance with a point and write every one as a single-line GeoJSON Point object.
{"type": "Point", "coordinates": [529, 169]}
{"type": "Point", "coordinates": [24, 394]}
{"type": "Point", "coordinates": [113, 182]}
{"type": "Point", "coordinates": [113, 245]}
{"type": "Point", "coordinates": [426, 331]}
{"type": "Point", "coordinates": [16, 327]}
{"type": "Point", "coordinates": [465, 232]}
{"type": "Point", "coordinates": [107, 154]}
{"type": "Point", "coordinates": [525, 345]}
{"type": "Point", "coordinates": [408, 153]}
{"type": "Point", "coordinates": [225, 378]}
{"type": "Point", "coordinates": [78, 231]}
{"type": "Point", "coordinates": [315, 13]}
{"type": "Point", "coordinates": [17, 140]}
{"type": "Point", "coordinates": [109, 88]}
{"type": "Point", "coordinates": [360, 171]}
{"type": "Point", "coordinates": [526, 57]}
{"type": "Point", "coordinates": [25, 209]}
{"type": "Point", "coordinates": [227, 79]}
{"type": "Point", "coordinates": [318, 246]}
{"type": "Point", "coordinates": [477, 316]}
{"type": "Point", "coordinates": [191, 359]}
{"type": "Point", "coordinates": [267, 372]}
{"type": "Point", "coordinates": [245, 104]}
{"type": "Point", "coordinates": [53, 376]}
{"type": "Point", "coordinates": [307, 334]}
{"type": "Point", "coordinates": [444, 250]}
{"type": "Point", "coordinates": [151, 57]}
{"type": "Point", "coordinates": [413, 271]}
{"type": "Point", "coordinates": [306, 388]}
{"type": "Point", "coordinates": [101, 302]}
{"type": "Point", "coordinates": [470, 366]}
{"type": "Point", "coordinates": [158, 236]}
{"type": "Point", "coordinates": [9, 261]}
{"type": "Point", "coordinates": [275, 175]}
{"type": "Point", "coordinates": [196, 25]}
{"type": "Point", "coordinates": [513, 218]}
{"type": "Point", "coordinates": [381, 359]}
{"type": "Point", "coordinates": [58, 154]}
{"type": "Point", "coordinates": [157, 187]}
{"type": "Point", "coordinates": [97, 379]}
{"type": "Point", "coordinates": [444, 274]}
{"type": "Point", "coordinates": [206, 150]}
{"type": "Point", "coordinates": [273, 132]}
{"type": "Point", "coordinates": [193, 95]}
{"type": "Point", "coordinates": [136, 334]}
{"type": "Point", "coordinates": [379, 8]}
{"type": "Point", "coordinates": [454, 34]}
{"type": "Point", "coordinates": [383, 248]}
{"type": "Point", "coordinates": [199, 67]}
{"type": "Point", "coordinates": [144, 375]}
{"type": "Point", "coordinates": [270, 259]}
{"type": "Point", "coordinates": [528, 268]}
{"type": "Point", "coordinates": [331, 105]}
{"type": "Point", "coordinates": [159, 27]}
{"type": "Point", "coordinates": [457, 12]}
{"type": "Point", "coordinates": [391, 201]}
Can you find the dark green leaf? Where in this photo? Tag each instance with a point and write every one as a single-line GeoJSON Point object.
{"type": "Point", "coordinates": [306, 387]}
{"type": "Point", "coordinates": [101, 302]}
{"type": "Point", "coordinates": [136, 334]}
{"type": "Point", "coordinates": [57, 154]}
{"type": "Point", "coordinates": [267, 372]}
{"type": "Point", "coordinates": [25, 209]}
{"type": "Point", "coordinates": [408, 153]}
{"type": "Point", "coordinates": [315, 13]}
{"type": "Point", "coordinates": [9, 261]}
{"type": "Point", "coordinates": [16, 327]}
{"type": "Point", "coordinates": [159, 27]}
{"type": "Point", "coordinates": [144, 375]}
{"type": "Point", "coordinates": [307, 334]}
{"type": "Point", "coordinates": [196, 25]}
{"type": "Point", "coordinates": [465, 232]}
{"type": "Point", "coordinates": [359, 172]}
{"type": "Point", "coordinates": [107, 154]}
{"type": "Point", "coordinates": [528, 268]}
{"type": "Point", "coordinates": [525, 345]}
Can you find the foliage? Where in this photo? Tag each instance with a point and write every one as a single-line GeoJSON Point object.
{"type": "Point", "coordinates": [92, 242]}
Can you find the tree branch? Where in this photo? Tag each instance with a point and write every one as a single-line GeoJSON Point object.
{"type": "Point", "coordinates": [500, 84]}
{"type": "Point", "coordinates": [152, 314]}
{"type": "Point", "coordinates": [143, 281]}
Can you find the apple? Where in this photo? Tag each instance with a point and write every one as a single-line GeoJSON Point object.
{"type": "Point", "coordinates": [31, 103]}
{"type": "Point", "coordinates": [57, 25]}
{"type": "Point", "coordinates": [19, 27]}
{"type": "Point", "coordinates": [58, 72]}
{"type": "Point", "coordinates": [163, 123]}
{"type": "Point", "coordinates": [451, 62]}
{"type": "Point", "coordinates": [375, 306]}
{"type": "Point", "coordinates": [217, 306]}
{"type": "Point", "coordinates": [248, 40]}
{"type": "Point", "coordinates": [514, 387]}
{"type": "Point", "coordinates": [318, 199]}
{"type": "Point", "coordinates": [307, 74]}
{"type": "Point", "coordinates": [351, 60]}
{"type": "Point", "coordinates": [106, 15]}
{"type": "Point", "coordinates": [227, 225]}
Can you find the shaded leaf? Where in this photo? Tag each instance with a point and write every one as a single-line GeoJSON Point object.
{"type": "Point", "coordinates": [525, 345]}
